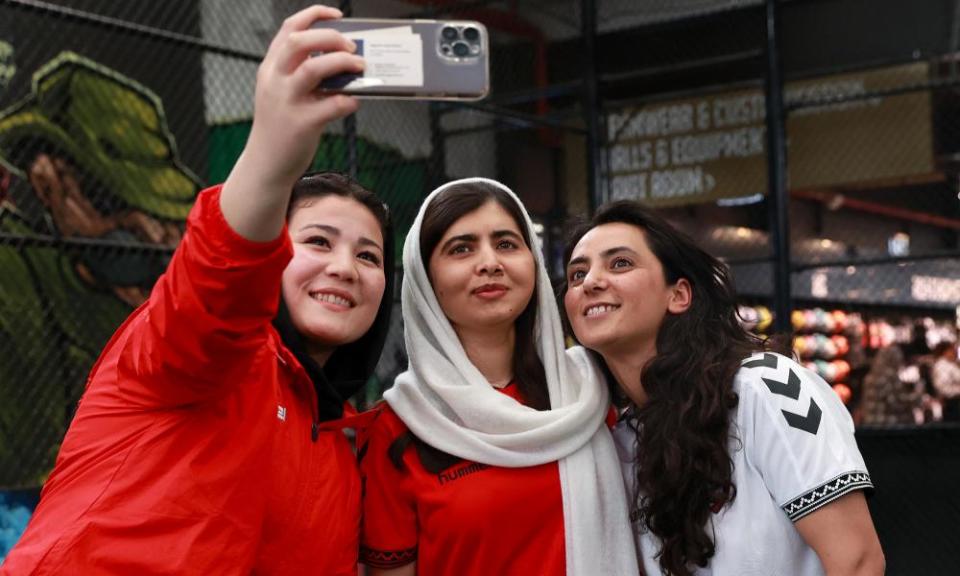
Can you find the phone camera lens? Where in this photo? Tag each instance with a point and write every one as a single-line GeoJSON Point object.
{"type": "Point", "coordinates": [471, 34]}
{"type": "Point", "coordinates": [461, 49]}
{"type": "Point", "coordinates": [449, 33]}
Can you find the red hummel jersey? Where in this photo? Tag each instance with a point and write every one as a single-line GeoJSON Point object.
{"type": "Point", "coordinates": [470, 519]}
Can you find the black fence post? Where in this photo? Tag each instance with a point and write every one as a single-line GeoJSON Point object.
{"type": "Point", "coordinates": [350, 122]}
{"type": "Point", "coordinates": [778, 199]}
{"type": "Point", "coordinates": [437, 162]}
{"type": "Point", "coordinates": [591, 102]}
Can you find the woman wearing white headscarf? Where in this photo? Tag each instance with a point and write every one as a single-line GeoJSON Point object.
{"type": "Point", "coordinates": [491, 455]}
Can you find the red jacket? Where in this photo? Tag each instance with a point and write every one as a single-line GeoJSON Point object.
{"type": "Point", "coordinates": [197, 447]}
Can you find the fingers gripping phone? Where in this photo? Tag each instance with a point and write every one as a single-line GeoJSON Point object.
{"type": "Point", "coordinates": [414, 59]}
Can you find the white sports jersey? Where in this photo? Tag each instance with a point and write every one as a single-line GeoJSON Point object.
{"type": "Point", "coordinates": [794, 452]}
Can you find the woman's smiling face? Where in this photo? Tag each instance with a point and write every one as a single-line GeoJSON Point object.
{"type": "Point", "coordinates": [482, 271]}
{"type": "Point", "coordinates": [335, 282]}
{"type": "Point", "coordinates": [617, 295]}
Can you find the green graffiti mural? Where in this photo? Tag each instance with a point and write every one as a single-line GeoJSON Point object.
{"type": "Point", "coordinates": [94, 196]}
{"type": "Point", "coordinates": [400, 182]}
{"type": "Point", "coordinates": [8, 68]}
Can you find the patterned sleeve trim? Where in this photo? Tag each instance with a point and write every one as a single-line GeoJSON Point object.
{"type": "Point", "coordinates": [387, 559]}
{"type": "Point", "coordinates": [826, 493]}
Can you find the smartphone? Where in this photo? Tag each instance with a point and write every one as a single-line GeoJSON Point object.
{"type": "Point", "coordinates": [414, 59]}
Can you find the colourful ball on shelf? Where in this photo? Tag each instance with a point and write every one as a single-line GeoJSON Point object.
{"type": "Point", "coordinates": [798, 318]}
{"type": "Point", "coordinates": [843, 391]}
{"type": "Point", "coordinates": [842, 344]}
{"type": "Point", "coordinates": [831, 372]}
{"type": "Point", "coordinates": [842, 368]}
{"type": "Point", "coordinates": [825, 320]}
{"type": "Point", "coordinates": [764, 318]}
{"type": "Point", "coordinates": [824, 370]}
{"type": "Point", "coordinates": [840, 319]}
{"type": "Point", "coordinates": [827, 348]}
{"type": "Point", "coordinates": [800, 345]}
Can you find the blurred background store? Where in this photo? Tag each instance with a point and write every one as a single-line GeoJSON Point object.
{"type": "Point", "coordinates": [814, 145]}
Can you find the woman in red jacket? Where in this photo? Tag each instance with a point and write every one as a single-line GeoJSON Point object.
{"type": "Point", "coordinates": [209, 439]}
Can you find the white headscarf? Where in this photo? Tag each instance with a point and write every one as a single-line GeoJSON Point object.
{"type": "Point", "coordinates": [445, 400]}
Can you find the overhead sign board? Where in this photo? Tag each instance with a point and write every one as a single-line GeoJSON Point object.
{"type": "Point", "coordinates": [712, 147]}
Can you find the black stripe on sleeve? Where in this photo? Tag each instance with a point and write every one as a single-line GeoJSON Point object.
{"type": "Point", "coordinates": [826, 493]}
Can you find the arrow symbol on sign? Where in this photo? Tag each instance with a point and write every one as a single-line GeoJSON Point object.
{"type": "Point", "coordinates": [809, 423]}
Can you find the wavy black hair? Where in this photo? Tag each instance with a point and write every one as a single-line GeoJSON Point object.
{"type": "Point", "coordinates": [683, 431]}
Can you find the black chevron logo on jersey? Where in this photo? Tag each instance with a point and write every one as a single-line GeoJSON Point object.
{"type": "Point", "coordinates": [768, 361]}
{"type": "Point", "coordinates": [809, 423]}
{"type": "Point", "coordinates": [790, 388]}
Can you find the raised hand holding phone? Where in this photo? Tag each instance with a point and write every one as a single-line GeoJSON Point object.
{"type": "Point", "coordinates": [415, 59]}
{"type": "Point", "coordinates": [289, 117]}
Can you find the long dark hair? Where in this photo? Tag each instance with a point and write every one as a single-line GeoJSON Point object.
{"type": "Point", "coordinates": [444, 210]}
{"type": "Point", "coordinates": [684, 469]}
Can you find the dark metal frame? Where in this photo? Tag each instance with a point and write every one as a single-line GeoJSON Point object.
{"type": "Point", "coordinates": [778, 199]}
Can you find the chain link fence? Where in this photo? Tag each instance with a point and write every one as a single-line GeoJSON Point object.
{"type": "Point", "coordinates": [112, 124]}
{"type": "Point", "coordinates": [110, 128]}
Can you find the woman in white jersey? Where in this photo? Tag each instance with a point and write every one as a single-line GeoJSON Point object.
{"type": "Point", "coordinates": [738, 460]}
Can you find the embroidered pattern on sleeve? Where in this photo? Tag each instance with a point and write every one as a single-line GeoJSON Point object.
{"type": "Point", "coordinates": [826, 493]}
{"type": "Point", "coordinates": [387, 559]}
